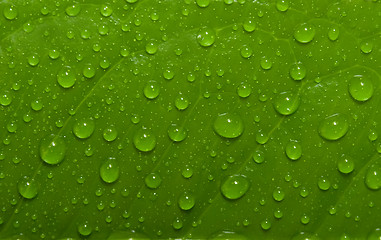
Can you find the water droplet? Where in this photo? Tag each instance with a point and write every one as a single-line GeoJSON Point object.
{"type": "Point", "coordinates": [177, 133]}
{"type": "Point", "coordinates": [305, 219]}
{"type": "Point", "coordinates": [293, 150]}
{"type": "Point", "coordinates": [361, 88]}
{"type": "Point", "coordinates": [110, 134]}
{"type": "Point", "coordinates": [334, 127]}
{"type": "Point", "coordinates": [246, 51]}
{"type": "Point", "coordinates": [235, 186]}
{"type": "Point", "coordinates": [144, 140]}
{"type": "Point", "coordinates": [366, 47]}
{"type": "Point", "coordinates": [203, 3]}
{"type": "Point", "coordinates": [84, 128]}
{"type": "Point", "coordinates": [73, 10]}
{"type": "Point", "coordinates": [66, 77]}
{"type": "Point", "coordinates": [36, 105]}
{"type": "Point", "coordinates": [153, 180]}
{"type": "Point", "coordinates": [286, 103]}
{"type": "Point", "coordinates": [33, 60]}
{"type": "Point", "coordinates": [206, 36]}
{"type": "Point", "coordinates": [151, 47]}
{"type": "Point", "coordinates": [88, 71]}
{"type": "Point", "coordinates": [243, 90]}
{"type": "Point", "coordinates": [278, 194]}
{"type": "Point", "coordinates": [345, 164]}
{"type": "Point", "coordinates": [261, 137]}
{"type": "Point", "coordinates": [282, 5]}
{"type": "Point", "coordinates": [333, 33]}
{"type": "Point", "coordinates": [54, 54]}
{"type": "Point", "coordinates": [324, 184]}
{"type": "Point", "coordinates": [259, 156]}
{"type": "Point", "coordinates": [181, 102]}
{"type": "Point", "coordinates": [84, 229]}
{"type": "Point", "coordinates": [187, 172]}
{"type": "Point", "coordinates": [177, 224]}
{"type": "Point", "coordinates": [106, 11]}
{"type": "Point", "coordinates": [266, 64]}
{"type": "Point", "coordinates": [228, 125]}
{"type": "Point", "coordinates": [5, 98]}
{"type": "Point", "coordinates": [249, 25]}
{"type": "Point", "coordinates": [266, 224]}
{"type": "Point", "coordinates": [10, 12]}
{"type": "Point", "coordinates": [109, 170]}
{"type": "Point", "coordinates": [304, 33]}
{"type": "Point", "coordinates": [373, 176]}
{"type": "Point", "coordinates": [298, 71]}
{"type": "Point", "coordinates": [52, 149]}
{"type": "Point", "coordinates": [304, 192]}
{"type": "Point", "coordinates": [278, 214]}
{"type": "Point", "coordinates": [186, 201]}
{"type": "Point", "coordinates": [168, 74]}
{"type": "Point", "coordinates": [151, 90]}
{"type": "Point", "coordinates": [27, 187]}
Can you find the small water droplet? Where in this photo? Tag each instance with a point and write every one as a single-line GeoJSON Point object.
{"type": "Point", "coordinates": [246, 51]}
{"type": "Point", "coordinates": [206, 36]}
{"type": "Point", "coordinates": [66, 77]}
{"type": "Point", "coordinates": [27, 187]}
{"type": "Point", "coordinates": [234, 186]}
{"type": "Point", "coordinates": [203, 3]}
{"type": "Point", "coordinates": [266, 64]}
{"type": "Point", "coordinates": [286, 103]}
{"type": "Point", "coordinates": [151, 47]}
{"type": "Point", "coordinates": [151, 90]}
{"type": "Point", "coordinates": [366, 47]}
{"type": "Point", "coordinates": [305, 219]}
{"type": "Point", "coordinates": [334, 127]}
{"type": "Point", "coordinates": [333, 33]}
{"type": "Point", "coordinates": [258, 156]}
{"type": "Point", "coordinates": [33, 60]}
{"type": "Point", "coordinates": [243, 90]}
{"type": "Point", "coordinates": [168, 74]}
{"type": "Point", "coordinates": [110, 133]}
{"type": "Point", "coordinates": [345, 164]}
{"type": "Point", "coordinates": [187, 172]}
{"type": "Point", "coordinates": [186, 201]}
{"type": "Point", "coordinates": [181, 102]}
{"type": "Point", "coordinates": [278, 213]}
{"type": "Point", "coordinates": [373, 176]}
{"type": "Point", "coordinates": [293, 150]}
{"type": "Point", "coordinates": [109, 170]}
{"type": "Point", "coordinates": [88, 71]}
{"type": "Point", "coordinates": [266, 224]}
{"type": "Point", "coordinates": [304, 33]}
{"type": "Point", "coordinates": [144, 140]}
{"type": "Point", "coordinates": [228, 125]}
{"type": "Point", "coordinates": [360, 88]}
{"type": "Point", "coordinates": [177, 224]}
{"type": "Point", "coordinates": [298, 71]}
{"type": "Point", "coordinates": [153, 180]}
{"type": "Point", "coordinates": [106, 11]}
{"type": "Point", "coordinates": [324, 184]}
{"type": "Point", "coordinates": [84, 229]}
{"type": "Point", "coordinates": [83, 128]}
{"type": "Point", "coordinates": [54, 54]}
{"type": "Point", "coordinates": [52, 149]}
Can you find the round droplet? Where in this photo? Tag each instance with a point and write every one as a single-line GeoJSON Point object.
{"type": "Point", "coordinates": [266, 64]}
{"type": "Point", "coordinates": [304, 33]}
{"type": "Point", "coordinates": [83, 128]}
{"type": "Point", "coordinates": [366, 47]}
{"type": "Point", "coordinates": [5, 98]}
{"type": "Point", "coordinates": [235, 186]}
{"type": "Point", "coordinates": [261, 137]}
{"type": "Point", "coordinates": [282, 5]}
{"type": "Point", "coordinates": [249, 25]}
{"type": "Point", "coordinates": [27, 187]}
{"type": "Point", "coordinates": [187, 172]}
{"type": "Point", "coordinates": [33, 60]}
{"type": "Point", "coordinates": [293, 150]}
{"type": "Point", "coordinates": [54, 54]}
{"type": "Point", "coordinates": [52, 149]}
{"type": "Point", "coordinates": [246, 51]}
{"type": "Point", "coordinates": [36, 105]}
{"type": "Point", "coordinates": [10, 12]}
{"type": "Point", "coordinates": [298, 71]}
{"type": "Point", "coordinates": [345, 164]}
{"type": "Point", "coordinates": [266, 224]}
{"type": "Point", "coordinates": [373, 176]}
{"type": "Point", "coordinates": [278, 214]}
{"type": "Point", "coordinates": [144, 140]}
{"type": "Point", "coordinates": [203, 3]}
{"type": "Point", "coordinates": [228, 125]}
{"type": "Point", "coordinates": [177, 224]}
{"type": "Point", "coordinates": [333, 34]}
{"type": "Point", "coordinates": [181, 102]}
{"type": "Point", "coordinates": [324, 184]}
{"type": "Point", "coordinates": [84, 229]}
{"type": "Point", "coordinates": [109, 170]}
{"type": "Point", "coordinates": [305, 219]}
{"type": "Point", "coordinates": [259, 156]}
{"type": "Point", "coordinates": [286, 103]}
{"type": "Point", "coordinates": [106, 11]}
{"type": "Point", "coordinates": [206, 36]}
{"type": "Point", "coordinates": [151, 90]}
{"type": "Point", "coordinates": [243, 90]}
{"type": "Point", "coordinates": [278, 194]}
{"type": "Point", "coordinates": [177, 133]}
{"type": "Point", "coordinates": [73, 10]}
{"type": "Point", "coordinates": [186, 201]}
{"type": "Point", "coordinates": [151, 47]}
{"type": "Point", "coordinates": [153, 180]}
{"type": "Point", "coordinates": [66, 77]}
{"type": "Point", "coordinates": [89, 71]}
{"type": "Point", "coordinates": [110, 134]}
{"type": "Point", "coordinates": [334, 127]}
{"type": "Point", "coordinates": [361, 88]}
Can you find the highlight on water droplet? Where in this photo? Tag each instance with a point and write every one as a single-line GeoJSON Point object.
{"type": "Point", "coordinates": [186, 201]}
{"type": "Point", "coordinates": [52, 149]}
{"type": "Point", "coordinates": [206, 36]}
{"type": "Point", "coordinates": [109, 170]}
{"type": "Point", "coordinates": [84, 128]}
{"type": "Point", "coordinates": [286, 103]}
{"type": "Point", "coordinates": [144, 140]}
{"type": "Point", "coordinates": [176, 132]}
{"type": "Point", "coordinates": [66, 77]}
{"type": "Point", "coordinates": [334, 127]}
{"type": "Point", "coordinates": [27, 187]}
{"type": "Point", "coordinates": [361, 88]}
{"type": "Point", "coordinates": [293, 150]}
{"type": "Point", "coordinates": [373, 176]}
{"type": "Point", "coordinates": [304, 33]}
{"type": "Point", "coordinates": [228, 125]}
{"type": "Point", "coordinates": [235, 186]}
{"type": "Point", "coordinates": [298, 71]}
{"type": "Point", "coordinates": [345, 164]}
{"type": "Point", "coordinates": [152, 180]}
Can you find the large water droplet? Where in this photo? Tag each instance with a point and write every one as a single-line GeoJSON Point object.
{"type": "Point", "coordinates": [373, 176]}
{"type": "Point", "coordinates": [84, 229]}
{"type": "Point", "coordinates": [298, 71]}
{"type": "Point", "coordinates": [235, 186]}
{"type": "Point", "coordinates": [27, 187]}
{"type": "Point", "coordinates": [345, 164]}
{"type": "Point", "coordinates": [203, 3]}
{"type": "Point", "coordinates": [334, 127]}
{"type": "Point", "coordinates": [89, 71]}
{"type": "Point", "coordinates": [186, 201]}
{"type": "Point", "coordinates": [206, 36]}
{"type": "Point", "coordinates": [293, 150]}
{"type": "Point", "coordinates": [249, 25]}
{"type": "Point", "coordinates": [151, 90]}
{"type": "Point", "coordinates": [66, 77]}
{"type": "Point", "coordinates": [278, 194]}
{"type": "Point", "coordinates": [282, 5]}
{"type": "Point", "coordinates": [109, 170]}
{"type": "Point", "coordinates": [286, 103]}
{"type": "Point", "coordinates": [73, 10]}
{"type": "Point", "coordinates": [243, 90]}
{"type": "Point", "coordinates": [110, 134]}
{"type": "Point", "coordinates": [52, 149]}
{"type": "Point", "coordinates": [144, 140]}
{"type": "Point", "coordinates": [228, 125]}
{"type": "Point", "coordinates": [83, 128]}
{"type": "Point", "coordinates": [153, 180]}
{"type": "Point", "coordinates": [324, 184]}
{"type": "Point", "coordinates": [10, 12]}
{"type": "Point", "coordinates": [177, 133]}
{"type": "Point", "coordinates": [304, 33]}
{"type": "Point", "coordinates": [361, 88]}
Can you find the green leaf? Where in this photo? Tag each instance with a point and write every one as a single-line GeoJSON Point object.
{"type": "Point", "coordinates": [190, 119]}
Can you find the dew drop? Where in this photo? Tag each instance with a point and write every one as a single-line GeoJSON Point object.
{"type": "Point", "coordinates": [345, 164]}
{"type": "Point", "coordinates": [153, 180]}
{"type": "Point", "coordinates": [110, 134]}
{"type": "Point", "coordinates": [286, 103]}
{"type": "Point", "coordinates": [266, 224]}
{"type": "Point", "coordinates": [334, 127]}
{"type": "Point", "coordinates": [206, 36]}
{"type": "Point", "coordinates": [186, 201]}
{"type": "Point", "coordinates": [304, 33]}
{"type": "Point", "coordinates": [298, 71]}
{"type": "Point", "coordinates": [249, 25]}
{"type": "Point", "coordinates": [282, 5]}
{"type": "Point", "coordinates": [36, 105]}
{"type": "Point", "coordinates": [109, 170]}
{"type": "Point", "coordinates": [366, 47]}
{"type": "Point", "coordinates": [203, 3]}
{"type": "Point", "coordinates": [305, 219]}
{"type": "Point", "coordinates": [106, 11]}
{"type": "Point", "coordinates": [324, 184]}
{"type": "Point", "coordinates": [33, 60]}
{"type": "Point", "coordinates": [151, 90]}
{"type": "Point", "coordinates": [168, 74]}
{"type": "Point", "coordinates": [243, 90]}
{"type": "Point", "coordinates": [293, 150]}
{"type": "Point", "coordinates": [84, 229]}
{"type": "Point", "coordinates": [234, 186]}
{"type": "Point", "coordinates": [333, 33]}
{"type": "Point", "coordinates": [54, 54]}
{"type": "Point", "coordinates": [360, 88]}
{"type": "Point", "coordinates": [5, 98]}
{"type": "Point", "coordinates": [52, 149]}
{"type": "Point", "coordinates": [181, 102]}
{"type": "Point", "coordinates": [27, 187]}
{"type": "Point", "coordinates": [66, 77]}
{"type": "Point", "coordinates": [259, 156]}
{"type": "Point", "coordinates": [177, 224]}
{"type": "Point", "coordinates": [278, 194]}
{"type": "Point", "coordinates": [89, 71]}
{"type": "Point", "coordinates": [73, 10]}
{"type": "Point", "coordinates": [246, 51]}
{"type": "Point", "coordinates": [187, 172]}
{"type": "Point", "coordinates": [373, 176]}
{"type": "Point", "coordinates": [228, 125]}
{"type": "Point", "coordinates": [144, 140]}
{"type": "Point", "coordinates": [151, 47]}
{"type": "Point", "coordinates": [261, 137]}
{"type": "Point", "coordinates": [278, 214]}
{"type": "Point", "coordinates": [83, 128]}
{"type": "Point", "coordinates": [177, 133]}
{"type": "Point", "coordinates": [10, 12]}
{"type": "Point", "coordinates": [266, 64]}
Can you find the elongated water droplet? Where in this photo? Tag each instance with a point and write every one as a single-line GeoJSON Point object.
{"type": "Point", "coordinates": [286, 103]}
{"type": "Point", "coordinates": [109, 170]}
{"type": "Point", "coordinates": [27, 187]}
{"type": "Point", "coordinates": [52, 149]}
{"type": "Point", "coordinates": [153, 180]}
{"type": "Point", "coordinates": [373, 176]}
{"type": "Point", "coordinates": [235, 186]}
{"type": "Point", "coordinates": [83, 128]}
{"type": "Point", "coordinates": [228, 125]}
{"type": "Point", "coordinates": [334, 127]}
{"type": "Point", "coordinates": [361, 88]}
{"type": "Point", "coordinates": [333, 33]}
{"type": "Point", "coordinates": [206, 36]}
{"type": "Point", "coordinates": [304, 33]}
{"type": "Point", "coordinates": [66, 77]}
{"type": "Point", "coordinates": [144, 140]}
{"type": "Point", "coordinates": [186, 201]}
